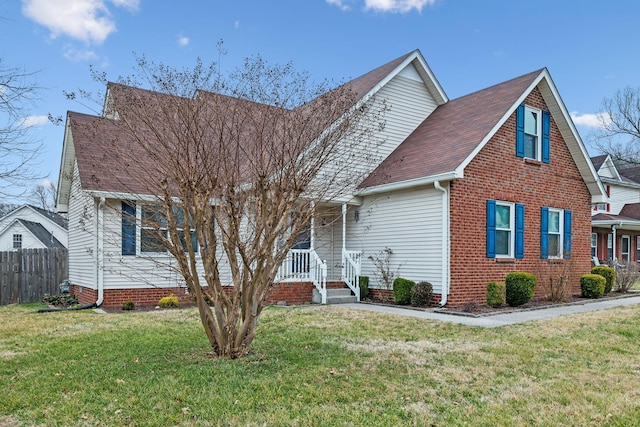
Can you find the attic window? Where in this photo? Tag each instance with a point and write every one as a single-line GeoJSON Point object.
{"type": "Point", "coordinates": [17, 241]}
{"type": "Point", "coordinates": [532, 133]}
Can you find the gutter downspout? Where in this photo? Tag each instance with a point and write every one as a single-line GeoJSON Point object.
{"type": "Point", "coordinates": [100, 252]}
{"type": "Point", "coordinates": [445, 243]}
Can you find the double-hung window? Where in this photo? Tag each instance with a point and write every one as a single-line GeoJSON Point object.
{"type": "Point", "coordinates": [532, 133]}
{"type": "Point", "coordinates": [505, 229]}
{"type": "Point", "coordinates": [17, 241]}
{"type": "Point", "coordinates": [594, 244]}
{"type": "Point", "coordinates": [555, 233]}
{"type": "Point", "coordinates": [152, 230]}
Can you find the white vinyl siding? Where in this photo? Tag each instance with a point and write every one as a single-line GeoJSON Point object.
{"type": "Point", "coordinates": [620, 196]}
{"type": "Point", "coordinates": [408, 104]}
{"type": "Point", "coordinates": [82, 236]}
{"type": "Point", "coordinates": [28, 241]}
{"type": "Point", "coordinates": [408, 222]}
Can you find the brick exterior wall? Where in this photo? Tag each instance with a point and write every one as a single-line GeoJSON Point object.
{"type": "Point", "coordinates": [496, 173]}
{"type": "Point", "coordinates": [291, 293]}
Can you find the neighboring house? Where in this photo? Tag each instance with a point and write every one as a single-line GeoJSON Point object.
{"type": "Point", "coordinates": [467, 191]}
{"type": "Point", "coordinates": [30, 227]}
{"type": "Point", "coordinates": [615, 224]}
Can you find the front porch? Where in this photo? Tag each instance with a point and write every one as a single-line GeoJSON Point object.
{"type": "Point", "coordinates": [320, 258]}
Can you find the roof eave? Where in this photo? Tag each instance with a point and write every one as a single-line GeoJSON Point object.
{"type": "Point", "coordinates": [410, 183]}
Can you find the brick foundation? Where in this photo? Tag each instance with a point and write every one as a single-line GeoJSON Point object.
{"type": "Point", "coordinates": [291, 293]}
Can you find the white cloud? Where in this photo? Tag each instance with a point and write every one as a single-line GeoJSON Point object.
{"type": "Point", "coordinates": [396, 6]}
{"type": "Point", "coordinates": [34, 121]}
{"type": "Point", "coordinates": [89, 21]}
{"type": "Point", "coordinates": [590, 120]}
{"type": "Point", "coordinates": [339, 3]}
{"type": "Point", "coordinates": [183, 41]}
{"type": "Point", "coordinates": [79, 55]}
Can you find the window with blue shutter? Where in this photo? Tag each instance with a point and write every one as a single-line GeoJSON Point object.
{"type": "Point", "coordinates": [533, 128]}
{"type": "Point", "coordinates": [555, 233]}
{"type": "Point", "coordinates": [505, 229]}
{"type": "Point", "coordinates": [128, 228]}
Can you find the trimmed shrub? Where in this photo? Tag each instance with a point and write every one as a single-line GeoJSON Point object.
{"type": "Point", "coordinates": [609, 274]}
{"type": "Point", "coordinates": [496, 294]}
{"type": "Point", "coordinates": [592, 285]}
{"type": "Point", "coordinates": [363, 282]}
{"type": "Point", "coordinates": [519, 288]}
{"type": "Point", "coordinates": [421, 294]}
{"type": "Point", "coordinates": [168, 301]}
{"type": "Point", "coordinates": [128, 305]}
{"type": "Point", "coordinates": [402, 290]}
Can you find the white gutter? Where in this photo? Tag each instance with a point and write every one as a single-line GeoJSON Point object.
{"type": "Point", "coordinates": [445, 243]}
{"type": "Point", "coordinates": [394, 186]}
{"type": "Point", "coordinates": [100, 251]}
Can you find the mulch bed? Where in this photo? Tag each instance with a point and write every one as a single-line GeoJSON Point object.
{"type": "Point", "coordinates": [479, 310]}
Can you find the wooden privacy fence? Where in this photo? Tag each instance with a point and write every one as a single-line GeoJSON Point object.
{"type": "Point", "coordinates": [27, 275]}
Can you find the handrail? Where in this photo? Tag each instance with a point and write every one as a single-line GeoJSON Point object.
{"type": "Point", "coordinates": [351, 264]}
{"type": "Point", "coordinates": [319, 275]}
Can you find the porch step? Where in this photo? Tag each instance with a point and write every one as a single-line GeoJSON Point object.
{"type": "Point", "coordinates": [340, 296]}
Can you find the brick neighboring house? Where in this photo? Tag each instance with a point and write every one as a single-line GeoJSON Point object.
{"type": "Point", "coordinates": [467, 191]}
{"type": "Point", "coordinates": [615, 235]}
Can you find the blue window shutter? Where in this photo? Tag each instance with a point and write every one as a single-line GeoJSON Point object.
{"type": "Point", "coordinates": [128, 228]}
{"type": "Point", "coordinates": [567, 234]}
{"type": "Point", "coordinates": [544, 233]}
{"type": "Point", "coordinates": [520, 131]}
{"type": "Point", "coordinates": [491, 228]}
{"type": "Point", "coordinates": [546, 126]}
{"type": "Point", "coordinates": [519, 230]}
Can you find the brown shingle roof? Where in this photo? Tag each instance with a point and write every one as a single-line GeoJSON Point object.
{"type": "Point", "coordinates": [631, 210]}
{"type": "Point", "coordinates": [449, 135]}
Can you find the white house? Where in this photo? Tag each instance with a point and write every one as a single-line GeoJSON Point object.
{"type": "Point", "coordinates": [31, 227]}
{"type": "Point", "coordinates": [466, 191]}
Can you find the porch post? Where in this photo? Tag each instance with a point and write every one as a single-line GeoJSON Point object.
{"type": "Point", "coordinates": [615, 256]}
{"type": "Point", "coordinates": [312, 225]}
{"type": "Point", "coordinates": [344, 226]}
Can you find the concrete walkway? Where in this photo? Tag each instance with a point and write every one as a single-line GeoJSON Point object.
{"type": "Point", "coordinates": [496, 320]}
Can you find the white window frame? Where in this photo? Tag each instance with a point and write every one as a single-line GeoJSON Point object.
{"type": "Point", "coordinates": [638, 248]}
{"type": "Point", "coordinates": [17, 241]}
{"type": "Point", "coordinates": [594, 245]}
{"type": "Point", "coordinates": [610, 247]}
{"type": "Point", "coordinates": [559, 233]}
{"type": "Point", "coordinates": [511, 229]}
{"type": "Point", "coordinates": [538, 134]}
{"type": "Point", "coordinates": [141, 226]}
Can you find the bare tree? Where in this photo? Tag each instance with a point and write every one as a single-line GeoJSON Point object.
{"type": "Point", "coordinates": [619, 135]}
{"type": "Point", "coordinates": [233, 167]}
{"type": "Point", "coordinates": [18, 150]}
{"type": "Point", "coordinates": [43, 195]}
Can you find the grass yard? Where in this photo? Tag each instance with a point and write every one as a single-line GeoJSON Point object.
{"type": "Point", "coordinates": [318, 365]}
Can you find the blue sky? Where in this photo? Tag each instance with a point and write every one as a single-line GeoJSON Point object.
{"type": "Point", "coordinates": [590, 47]}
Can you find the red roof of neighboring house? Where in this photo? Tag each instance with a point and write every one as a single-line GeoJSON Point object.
{"type": "Point", "coordinates": [450, 134]}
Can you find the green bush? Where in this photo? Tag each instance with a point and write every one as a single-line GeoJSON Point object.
{"type": "Point", "coordinates": [592, 285]}
{"type": "Point", "coordinates": [519, 288]}
{"type": "Point", "coordinates": [609, 274]}
{"type": "Point", "coordinates": [421, 294]}
{"type": "Point", "coordinates": [402, 290]}
{"type": "Point", "coordinates": [496, 294]}
{"type": "Point", "coordinates": [363, 282]}
{"type": "Point", "coordinates": [128, 305]}
{"type": "Point", "coordinates": [168, 301]}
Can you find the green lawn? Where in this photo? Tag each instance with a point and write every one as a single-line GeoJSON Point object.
{"type": "Point", "coordinates": [318, 365]}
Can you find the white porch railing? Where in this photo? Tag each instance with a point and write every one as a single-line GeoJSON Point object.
{"type": "Point", "coordinates": [351, 262]}
{"type": "Point", "coordinates": [303, 265]}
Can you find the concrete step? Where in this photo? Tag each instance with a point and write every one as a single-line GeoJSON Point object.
{"type": "Point", "coordinates": [336, 296]}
